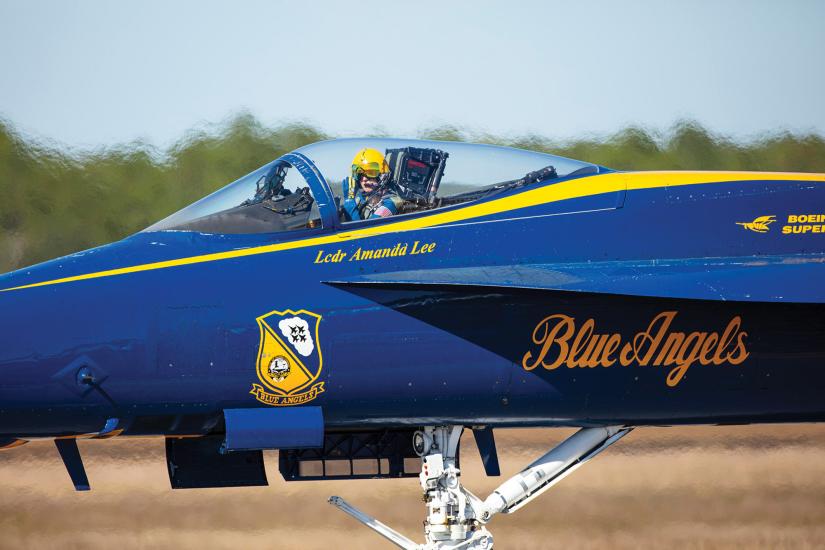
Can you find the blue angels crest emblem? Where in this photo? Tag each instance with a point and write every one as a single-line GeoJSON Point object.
{"type": "Point", "coordinates": [289, 358]}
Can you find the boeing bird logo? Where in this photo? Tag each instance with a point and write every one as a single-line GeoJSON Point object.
{"type": "Point", "coordinates": [759, 225]}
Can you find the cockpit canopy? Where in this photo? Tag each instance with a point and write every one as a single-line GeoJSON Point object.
{"type": "Point", "coordinates": [304, 190]}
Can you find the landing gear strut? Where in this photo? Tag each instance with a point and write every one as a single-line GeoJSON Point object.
{"type": "Point", "coordinates": [456, 518]}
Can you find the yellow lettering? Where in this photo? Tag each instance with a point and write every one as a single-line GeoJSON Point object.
{"type": "Point", "coordinates": [740, 353]}
{"type": "Point", "coordinates": [560, 341]}
{"type": "Point", "coordinates": [670, 350]}
{"type": "Point", "coordinates": [710, 341]}
{"type": "Point", "coordinates": [653, 342]}
{"type": "Point", "coordinates": [627, 355]}
{"type": "Point", "coordinates": [727, 337]}
{"type": "Point", "coordinates": [422, 249]}
{"type": "Point", "coordinates": [595, 346]}
{"type": "Point", "coordinates": [581, 338]}
{"type": "Point", "coordinates": [686, 358]}
{"type": "Point", "coordinates": [544, 336]}
{"type": "Point", "coordinates": [612, 345]}
{"type": "Point", "coordinates": [335, 258]}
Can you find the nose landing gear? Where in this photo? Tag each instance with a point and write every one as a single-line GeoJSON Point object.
{"type": "Point", "coordinates": [456, 518]}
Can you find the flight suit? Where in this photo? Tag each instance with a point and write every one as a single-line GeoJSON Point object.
{"type": "Point", "coordinates": [358, 207]}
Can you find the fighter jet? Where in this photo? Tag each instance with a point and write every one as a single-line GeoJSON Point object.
{"type": "Point", "coordinates": [358, 314]}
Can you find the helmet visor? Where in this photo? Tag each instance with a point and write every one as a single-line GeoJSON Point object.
{"type": "Point", "coordinates": [371, 170]}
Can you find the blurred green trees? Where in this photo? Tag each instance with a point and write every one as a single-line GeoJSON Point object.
{"type": "Point", "coordinates": [54, 202]}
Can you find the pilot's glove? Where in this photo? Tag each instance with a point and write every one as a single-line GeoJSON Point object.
{"type": "Point", "coordinates": [352, 206]}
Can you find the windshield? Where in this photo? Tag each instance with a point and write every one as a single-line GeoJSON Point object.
{"type": "Point", "coordinates": [273, 198]}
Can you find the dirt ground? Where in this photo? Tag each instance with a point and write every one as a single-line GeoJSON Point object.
{"type": "Point", "coordinates": [699, 488]}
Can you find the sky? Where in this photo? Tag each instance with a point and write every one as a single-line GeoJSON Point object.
{"type": "Point", "coordinates": [94, 73]}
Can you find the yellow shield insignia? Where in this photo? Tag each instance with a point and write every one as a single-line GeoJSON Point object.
{"type": "Point", "coordinates": [289, 358]}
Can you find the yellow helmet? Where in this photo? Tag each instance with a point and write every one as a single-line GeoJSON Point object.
{"type": "Point", "coordinates": [370, 163]}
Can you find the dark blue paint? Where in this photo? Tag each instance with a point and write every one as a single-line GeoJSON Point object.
{"type": "Point", "coordinates": [70, 455]}
{"type": "Point", "coordinates": [274, 428]}
{"type": "Point", "coordinates": [486, 443]}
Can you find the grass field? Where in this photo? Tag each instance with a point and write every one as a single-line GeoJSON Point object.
{"type": "Point", "coordinates": [701, 487]}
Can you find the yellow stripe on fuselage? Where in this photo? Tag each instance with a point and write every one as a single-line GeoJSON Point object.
{"type": "Point", "coordinates": [571, 189]}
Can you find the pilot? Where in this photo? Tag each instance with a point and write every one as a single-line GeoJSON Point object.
{"type": "Point", "coordinates": [367, 193]}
